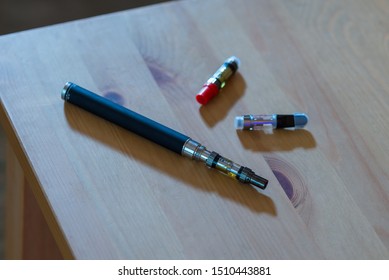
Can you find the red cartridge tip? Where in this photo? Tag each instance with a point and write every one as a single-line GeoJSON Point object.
{"type": "Point", "coordinates": [207, 92]}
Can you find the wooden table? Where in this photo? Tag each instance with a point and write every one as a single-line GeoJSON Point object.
{"type": "Point", "coordinates": [106, 193]}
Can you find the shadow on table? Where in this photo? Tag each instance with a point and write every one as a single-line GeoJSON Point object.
{"type": "Point", "coordinates": [218, 108]}
{"type": "Point", "coordinates": [174, 165]}
{"type": "Point", "coordinates": [279, 140]}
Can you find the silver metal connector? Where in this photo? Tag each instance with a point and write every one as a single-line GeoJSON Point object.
{"type": "Point", "coordinates": [65, 89]}
{"type": "Point", "coordinates": [196, 151]}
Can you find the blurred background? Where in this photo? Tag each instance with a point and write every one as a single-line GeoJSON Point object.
{"type": "Point", "coordinates": [19, 15]}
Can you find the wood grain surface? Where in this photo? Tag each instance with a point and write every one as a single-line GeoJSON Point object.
{"type": "Point", "coordinates": [109, 194]}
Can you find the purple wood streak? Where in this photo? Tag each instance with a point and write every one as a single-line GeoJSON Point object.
{"type": "Point", "coordinates": [114, 97]}
{"type": "Point", "coordinates": [293, 184]}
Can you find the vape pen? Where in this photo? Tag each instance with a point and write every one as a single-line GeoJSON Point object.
{"type": "Point", "coordinates": [158, 133]}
